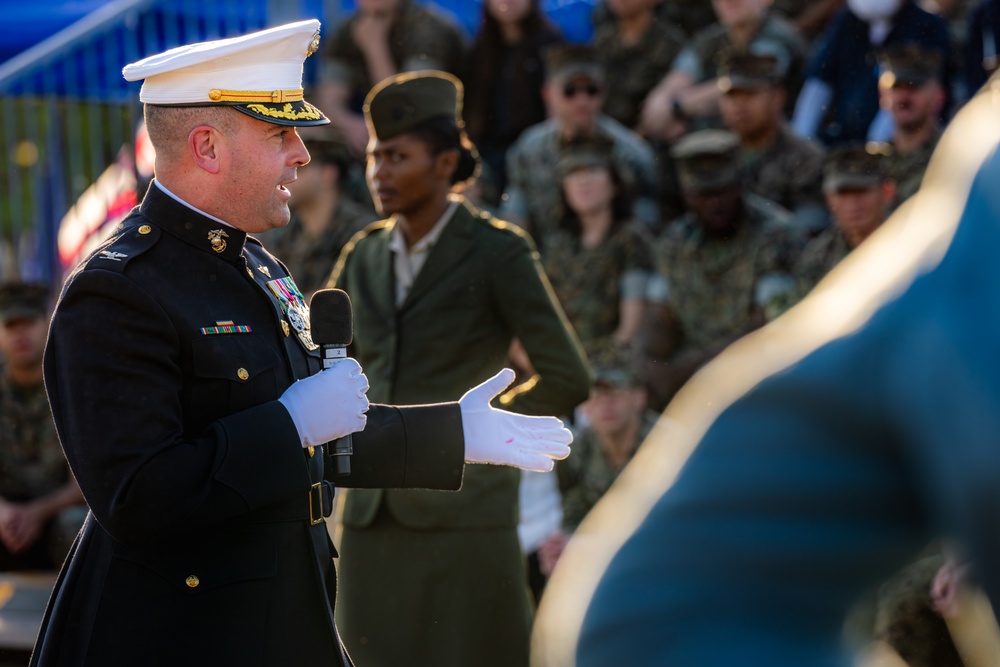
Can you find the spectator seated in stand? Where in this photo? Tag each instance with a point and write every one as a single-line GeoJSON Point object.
{"type": "Point", "coordinates": [41, 506]}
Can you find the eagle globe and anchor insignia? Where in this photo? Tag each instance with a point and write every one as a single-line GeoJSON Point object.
{"type": "Point", "coordinates": [217, 237]}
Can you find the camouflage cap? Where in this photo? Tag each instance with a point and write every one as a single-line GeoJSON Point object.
{"type": "Point", "coordinates": [613, 365]}
{"type": "Point", "coordinates": [708, 160]}
{"type": "Point", "coordinates": [909, 65]}
{"type": "Point", "coordinates": [23, 300]}
{"type": "Point", "coordinates": [748, 71]}
{"type": "Point", "coordinates": [855, 166]}
{"type": "Point", "coordinates": [403, 102]}
{"type": "Point", "coordinates": [585, 151]}
{"type": "Point", "coordinates": [563, 61]}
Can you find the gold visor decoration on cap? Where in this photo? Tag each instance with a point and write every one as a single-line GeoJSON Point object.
{"type": "Point", "coordinates": [287, 112]}
{"type": "Point", "coordinates": [245, 96]}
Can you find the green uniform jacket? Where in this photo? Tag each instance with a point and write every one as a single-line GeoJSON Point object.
{"type": "Point", "coordinates": [480, 287]}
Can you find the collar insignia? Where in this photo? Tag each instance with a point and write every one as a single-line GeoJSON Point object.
{"type": "Point", "coordinates": [217, 237]}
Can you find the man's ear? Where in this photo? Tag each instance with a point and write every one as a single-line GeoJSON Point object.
{"type": "Point", "coordinates": [203, 144]}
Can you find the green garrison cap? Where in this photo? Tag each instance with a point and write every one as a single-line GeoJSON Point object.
{"type": "Point", "coordinates": [748, 71]}
{"type": "Point", "coordinates": [564, 61]}
{"type": "Point", "coordinates": [909, 65]}
{"type": "Point", "coordinates": [405, 101]}
{"type": "Point", "coordinates": [23, 300]}
{"type": "Point", "coordinates": [585, 151]}
{"type": "Point", "coordinates": [853, 166]}
{"type": "Point", "coordinates": [707, 160]}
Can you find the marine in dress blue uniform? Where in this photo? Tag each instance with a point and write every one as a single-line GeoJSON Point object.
{"type": "Point", "coordinates": [172, 352]}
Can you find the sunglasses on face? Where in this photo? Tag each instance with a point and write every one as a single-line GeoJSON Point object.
{"type": "Point", "coordinates": [571, 89]}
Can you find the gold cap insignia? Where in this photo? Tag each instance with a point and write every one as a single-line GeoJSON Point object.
{"type": "Point", "coordinates": [217, 237]}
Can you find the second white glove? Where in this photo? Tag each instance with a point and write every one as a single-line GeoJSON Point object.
{"type": "Point", "coordinates": [504, 438]}
{"type": "Point", "coordinates": [329, 404]}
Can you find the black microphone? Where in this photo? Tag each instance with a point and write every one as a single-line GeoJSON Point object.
{"type": "Point", "coordinates": [332, 328]}
{"type": "Point", "coordinates": [332, 324]}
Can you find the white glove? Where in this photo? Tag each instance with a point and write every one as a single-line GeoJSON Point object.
{"type": "Point", "coordinates": [504, 438]}
{"type": "Point", "coordinates": [328, 405]}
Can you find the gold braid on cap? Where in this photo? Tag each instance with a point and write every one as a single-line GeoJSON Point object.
{"type": "Point", "coordinates": [286, 112]}
{"type": "Point", "coordinates": [273, 96]}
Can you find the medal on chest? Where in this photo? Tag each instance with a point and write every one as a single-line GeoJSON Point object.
{"type": "Point", "coordinates": [294, 307]}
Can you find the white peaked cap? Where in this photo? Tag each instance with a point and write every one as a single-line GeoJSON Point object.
{"type": "Point", "coordinates": [259, 74]}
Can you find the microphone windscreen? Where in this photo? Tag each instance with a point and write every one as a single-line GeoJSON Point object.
{"type": "Point", "coordinates": [331, 317]}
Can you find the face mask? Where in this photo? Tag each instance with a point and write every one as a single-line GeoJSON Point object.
{"type": "Point", "coordinates": [873, 10]}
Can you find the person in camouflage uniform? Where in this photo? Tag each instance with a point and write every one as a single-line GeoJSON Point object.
{"type": "Point", "coordinates": [41, 507]}
{"type": "Point", "coordinates": [324, 216]}
{"type": "Point", "coordinates": [618, 420]}
{"type": "Point", "coordinates": [778, 165]}
{"type": "Point", "coordinates": [598, 260]}
{"type": "Point", "coordinates": [912, 89]}
{"type": "Point", "coordinates": [858, 193]}
{"type": "Point", "coordinates": [382, 38]}
{"type": "Point", "coordinates": [574, 91]}
{"type": "Point", "coordinates": [687, 98]}
{"type": "Point", "coordinates": [637, 48]}
{"type": "Point", "coordinates": [718, 265]}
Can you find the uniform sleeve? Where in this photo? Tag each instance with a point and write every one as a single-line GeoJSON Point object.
{"type": "Point", "coordinates": [687, 62]}
{"type": "Point", "coordinates": [529, 306]}
{"type": "Point", "coordinates": [637, 266]}
{"type": "Point", "coordinates": [418, 447]}
{"type": "Point", "coordinates": [115, 384]}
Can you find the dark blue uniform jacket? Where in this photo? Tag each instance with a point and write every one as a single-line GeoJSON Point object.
{"type": "Point", "coordinates": [167, 353]}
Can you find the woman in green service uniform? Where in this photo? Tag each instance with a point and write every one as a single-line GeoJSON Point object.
{"type": "Point", "coordinates": [440, 291]}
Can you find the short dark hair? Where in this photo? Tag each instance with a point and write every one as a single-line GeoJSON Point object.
{"type": "Point", "coordinates": [168, 125]}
